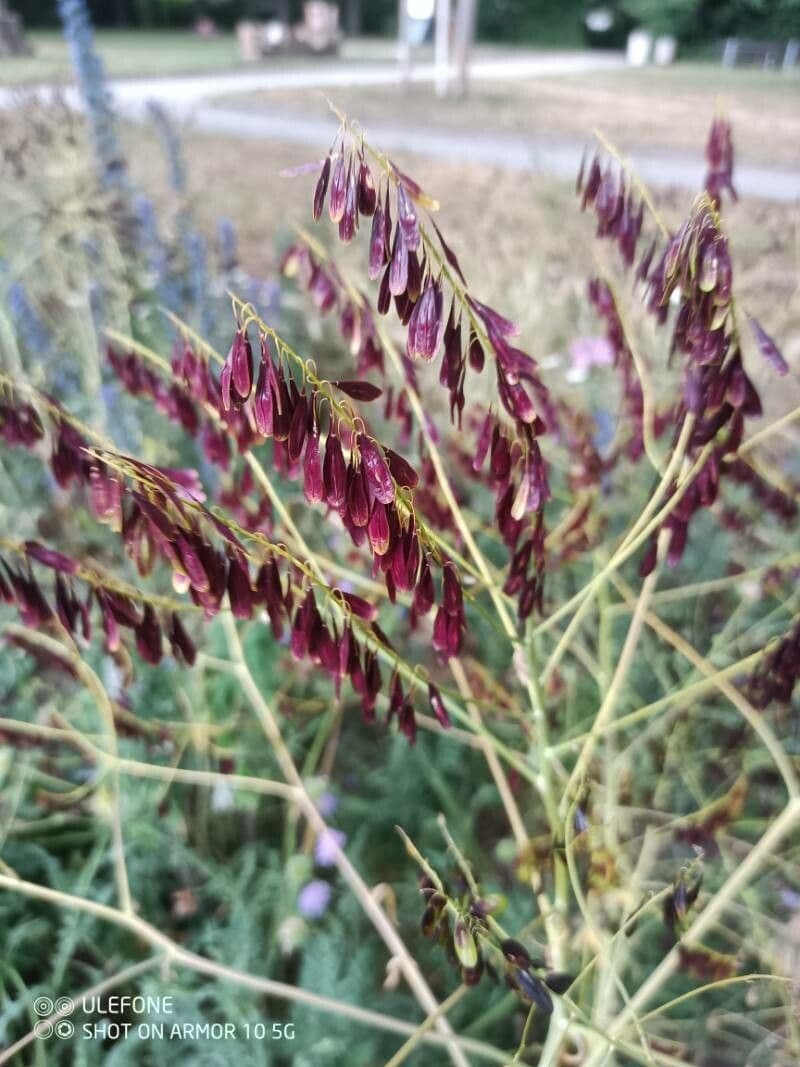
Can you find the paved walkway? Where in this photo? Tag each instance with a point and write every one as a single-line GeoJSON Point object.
{"type": "Point", "coordinates": [545, 155]}
{"type": "Point", "coordinates": [187, 98]}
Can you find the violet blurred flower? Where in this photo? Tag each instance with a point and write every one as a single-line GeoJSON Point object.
{"type": "Point", "coordinates": [313, 899]}
{"type": "Point", "coordinates": [588, 352]}
{"type": "Point", "coordinates": [329, 802]}
{"type": "Point", "coordinates": [329, 842]}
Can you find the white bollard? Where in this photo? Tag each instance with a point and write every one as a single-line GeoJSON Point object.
{"type": "Point", "coordinates": [640, 45]}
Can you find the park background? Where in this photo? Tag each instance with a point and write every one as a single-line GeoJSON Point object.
{"type": "Point", "coordinates": [176, 154]}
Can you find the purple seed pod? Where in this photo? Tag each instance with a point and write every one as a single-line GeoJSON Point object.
{"type": "Point", "coordinates": [321, 189]}
{"type": "Point", "coordinates": [407, 219]}
{"type": "Point", "coordinates": [240, 592]}
{"type": "Point", "coordinates": [349, 220]}
{"type": "Point", "coordinates": [357, 500]}
{"type": "Point", "coordinates": [182, 645]}
{"type": "Point", "coordinates": [338, 196]}
{"type": "Point", "coordinates": [313, 485]}
{"type": "Point", "coordinates": [334, 473]}
{"type": "Point", "coordinates": [376, 470]}
{"type": "Point", "coordinates": [377, 244]}
{"type": "Point", "coordinates": [425, 326]}
{"type": "Point", "coordinates": [398, 268]}
{"type": "Point", "coordinates": [148, 637]}
{"type": "Point", "coordinates": [437, 705]}
{"type": "Point", "coordinates": [378, 529]}
{"type": "Point", "coordinates": [367, 197]}
{"type": "Point", "coordinates": [767, 347]}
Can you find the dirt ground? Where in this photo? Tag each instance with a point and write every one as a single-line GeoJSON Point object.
{"type": "Point", "coordinates": [521, 239]}
{"type": "Point", "coordinates": [653, 109]}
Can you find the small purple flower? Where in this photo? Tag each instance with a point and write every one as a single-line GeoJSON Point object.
{"type": "Point", "coordinates": [329, 802]}
{"type": "Point", "coordinates": [313, 899]}
{"type": "Point", "coordinates": [328, 844]}
{"type": "Point", "coordinates": [588, 352]}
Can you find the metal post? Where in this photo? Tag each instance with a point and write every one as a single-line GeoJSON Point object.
{"type": "Point", "coordinates": [442, 47]}
{"type": "Point", "coordinates": [403, 45]}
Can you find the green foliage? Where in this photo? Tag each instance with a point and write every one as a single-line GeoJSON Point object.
{"type": "Point", "coordinates": [547, 23]}
{"type": "Point", "coordinates": [677, 17]}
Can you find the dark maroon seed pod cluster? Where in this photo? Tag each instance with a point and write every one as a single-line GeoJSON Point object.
{"type": "Point", "coordinates": [604, 186]}
{"type": "Point", "coordinates": [23, 589]}
{"type": "Point", "coordinates": [693, 270]}
{"type": "Point", "coordinates": [415, 280]}
{"type": "Point", "coordinates": [472, 946]}
{"type": "Point", "coordinates": [777, 675]}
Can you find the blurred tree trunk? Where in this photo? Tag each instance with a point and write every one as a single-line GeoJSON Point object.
{"type": "Point", "coordinates": [442, 47]}
{"type": "Point", "coordinates": [403, 46]}
{"type": "Point", "coordinates": [466, 17]}
{"type": "Point", "coordinates": [352, 18]}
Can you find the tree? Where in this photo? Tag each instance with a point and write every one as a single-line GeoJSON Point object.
{"type": "Point", "coordinates": [678, 17]}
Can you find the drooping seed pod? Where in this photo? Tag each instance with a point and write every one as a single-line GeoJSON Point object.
{"type": "Point", "coordinates": [398, 267]}
{"type": "Point", "coordinates": [377, 244]}
{"type": "Point", "coordinates": [767, 347]}
{"type": "Point", "coordinates": [49, 557]}
{"type": "Point", "coordinates": [424, 593]}
{"type": "Point", "coordinates": [338, 195]}
{"type": "Point", "coordinates": [434, 909]}
{"type": "Point", "coordinates": [349, 220]}
{"type": "Point", "coordinates": [298, 428]}
{"type": "Point", "coordinates": [364, 391]}
{"type": "Point", "coordinates": [376, 469]}
{"type": "Point", "coordinates": [401, 470]}
{"type": "Point", "coordinates": [558, 981]}
{"type": "Point", "coordinates": [182, 645]}
{"type": "Point", "coordinates": [378, 529]}
{"type": "Point", "coordinates": [321, 189]}
{"type": "Point", "coordinates": [357, 500]}
{"type": "Point", "coordinates": [240, 592]}
{"type": "Point", "coordinates": [425, 326]}
{"type": "Point", "coordinates": [367, 197]}
{"type": "Point", "coordinates": [437, 705]}
{"type": "Point", "coordinates": [359, 606]}
{"type": "Point", "coordinates": [407, 219]}
{"type": "Point", "coordinates": [515, 952]}
{"type": "Point", "coordinates": [313, 486]}
{"type": "Point", "coordinates": [148, 637]}
{"type": "Point", "coordinates": [532, 989]}
{"type": "Point", "coordinates": [334, 473]}
{"type": "Point", "coordinates": [464, 944]}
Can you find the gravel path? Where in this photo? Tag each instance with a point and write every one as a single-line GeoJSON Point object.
{"type": "Point", "coordinates": [544, 155]}
{"type": "Point", "coordinates": [187, 99]}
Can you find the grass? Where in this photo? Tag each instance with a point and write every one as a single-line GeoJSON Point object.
{"type": "Point", "coordinates": [126, 54]}
{"type": "Point", "coordinates": [144, 53]}
{"type": "Point", "coordinates": [141, 53]}
{"type": "Point", "coordinates": [664, 110]}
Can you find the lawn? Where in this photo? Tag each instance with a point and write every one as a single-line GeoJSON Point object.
{"type": "Point", "coordinates": [139, 53]}
{"type": "Point", "coordinates": [655, 109]}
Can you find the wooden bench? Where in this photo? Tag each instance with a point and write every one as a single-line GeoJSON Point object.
{"type": "Point", "coordinates": [771, 55]}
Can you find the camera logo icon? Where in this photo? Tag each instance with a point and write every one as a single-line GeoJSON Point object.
{"type": "Point", "coordinates": [46, 1008]}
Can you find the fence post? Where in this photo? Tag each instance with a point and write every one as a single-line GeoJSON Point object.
{"type": "Point", "coordinates": [730, 52]}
